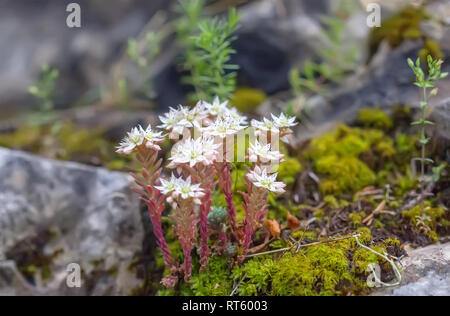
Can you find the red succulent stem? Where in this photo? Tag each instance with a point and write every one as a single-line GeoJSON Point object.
{"type": "Point", "coordinates": [185, 226]}
{"type": "Point", "coordinates": [205, 208]}
{"type": "Point", "coordinates": [156, 219]}
{"type": "Point", "coordinates": [227, 188]}
{"type": "Point", "coordinates": [187, 262]}
{"type": "Point", "coordinates": [255, 206]}
{"type": "Point", "coordinates": [151, 169]}
{"type": "Point", "coordinates": [223, 238]}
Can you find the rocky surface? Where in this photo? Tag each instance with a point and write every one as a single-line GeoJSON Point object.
{"type": "Point", "coordinates": [426, 272]}
{"type": "Point", "coordinates": [274, 37]}
{"type": "Point", "coordinates": [32, 34]}
{"type": "Point", "coordinates": [56, 213]}
{"type": "Point", "coordinates": [387, 80]}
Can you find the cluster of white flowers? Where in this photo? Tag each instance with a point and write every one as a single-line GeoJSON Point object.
{"type": "Point", "coordinates": [223, 127]}
{"type": "Point", "coordinates": [262, 179]}
{"type": "Point", "coordinates": [138, 137]}
{"type": "Point", "coordinates": [215, 121]}
{"type": "Point", "coordinates": [263, 153]}
{"type": "Point", "coordinates": [176, 188]}
{"type": "Point", "coordinates": [278, 125]}
{"type": "Point", "coordinates": [215, 118]}
{"type": "Point", "coordinates": [193, 151]}
{"type": "Point", "coordinates": [217, 108]}
{"type": "Point", "coordinates": [176, 120]}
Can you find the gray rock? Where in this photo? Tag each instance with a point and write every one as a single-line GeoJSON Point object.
{"type": "Point", "coordinates": [32, 34]}
{"type": "Point", "coordinates": [387, 82]}
{"type": "Point", "coordinates": [426, 273]}
{"type": "Point", "coordinates": [430, 285]}
{"type": "Point", "coordinates": [70, 213]}
{"type": "Point", "coordinates": [441, 134]}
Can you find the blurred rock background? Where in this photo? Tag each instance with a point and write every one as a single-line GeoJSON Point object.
{"type": "Point", "coordinates": [37, 195]}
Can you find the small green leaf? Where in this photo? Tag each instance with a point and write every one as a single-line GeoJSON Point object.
{"type": "Point", "coordinates": [424, 141]}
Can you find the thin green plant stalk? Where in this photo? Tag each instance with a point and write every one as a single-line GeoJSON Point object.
{"type": "Point", "coordinates": [425, 82]}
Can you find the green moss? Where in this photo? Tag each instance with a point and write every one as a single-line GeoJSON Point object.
{"type": "Point", "coordinates": [276, 210]}
{"type": "Point", "coordinates": [394, 204]}
{"type": "Point", "coordinates": [401, 26]}
{"type": "Point", "coordinates": [341, 156]}
{"type": "Point", "coordinates": [431, 48]}
{"type": "Point", "coordinates": [366, 235]}
{"type": "Point", "coordinates": [214, 281]}
{"type": "Point", "coordinates": [319, 214]}
{"type": "Point", "coordinates": [385, 148]}
{"type": "Point", "coordinates": [302, 235]}
{"type": "Point", "coordinates": [435, 219]}
{"type": "Point", "coordinates": [255, 276]}
{"type": "Point", "coordinates": [288, 170]}
{"type": "Point", "coordinates": [375, 118]}
{"type": "Point", "coordinates": [343, 141]}
{"type": "Point", "coordinates": [405, 183]}
{"type": "Point", "coordinates": [345, 175]}
{"type": "Point", "coordinates": [337, 268]}
{"type": "Point", "coordinates": [247, 99]}
{"type": "Point", "coordinates": [317, 271]}
{"type": "Point", "coordinates": [65, 141]}
{"type": "Point", "coordinates": [405, 144]}
{"type": "Point", "coordinates": [356, 219]}
{"type": "Point", "coordinates": [392, 242]}
{"type": "Point", "coordinates": [350, 159]}
{"type": "Point", "coordinates": [331, 201]}
{"type": "Point", "coordinates": [363, 257]}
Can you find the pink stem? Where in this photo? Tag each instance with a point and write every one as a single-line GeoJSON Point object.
{"type": "Point", "coordinates": [155, 218]}
{"type": "Point", "coordinates": [187, 262]}
{"type": "Point", "coordinates": [205, 252]}
{"type": "Point", "coordinates": [223, 238]}
{"type": "Point", "coordinates": [161, 241]}
{"type": "Point", "coordinates": [227, 188]}
{"type": "Point", "coordinates": [249, 230]}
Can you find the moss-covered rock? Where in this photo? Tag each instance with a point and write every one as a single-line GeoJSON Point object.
{"type": "Point", "coordinates": [65, 141]}
{"type": "Point", "coordinates": [375, 118]}
{"type": "Point", "coordinates": [345, 174]}
{"type": "Point", "coordinates": [403, 25]}
{"type": "Point", "coordinates": [247, 100]}
{"type": "Point", "coordinates": [337, 268]}
{"type": "Point", "coordinates": [436, 219]}
{"type": "Point", "coordinates": [288, 170]}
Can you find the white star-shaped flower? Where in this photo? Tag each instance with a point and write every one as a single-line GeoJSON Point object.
{"type": "Point", "coordinates": [152, 139]}
{"type": "Point", "coordinates": [134, 139]}
{"type": "Point", "coordinates": [186, 190]}
{"type": "Point", "coordinates": [201, 150]}
{"type": "Point", "coordinates": [168, 186]}
{"type": "Point", "coordinates": [283, 121]}
{"type": "Point", "coordinates": [261, 179]}
{"type": "Point", "coordinates": [222, 127]}
{"type": "Point", "coordinates": [258, 150]}
{"type": "Point", "coordinates": [216, 108]}
{"type": "Point", "coordinates": [170, 119]}
{"type": "Point", "coordinates": [193, 117]}
{"type": "Point", "coordinates": [265, 125]}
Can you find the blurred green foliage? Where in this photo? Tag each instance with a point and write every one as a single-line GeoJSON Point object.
{"type": "Point", "coordinates": [44, 89]}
